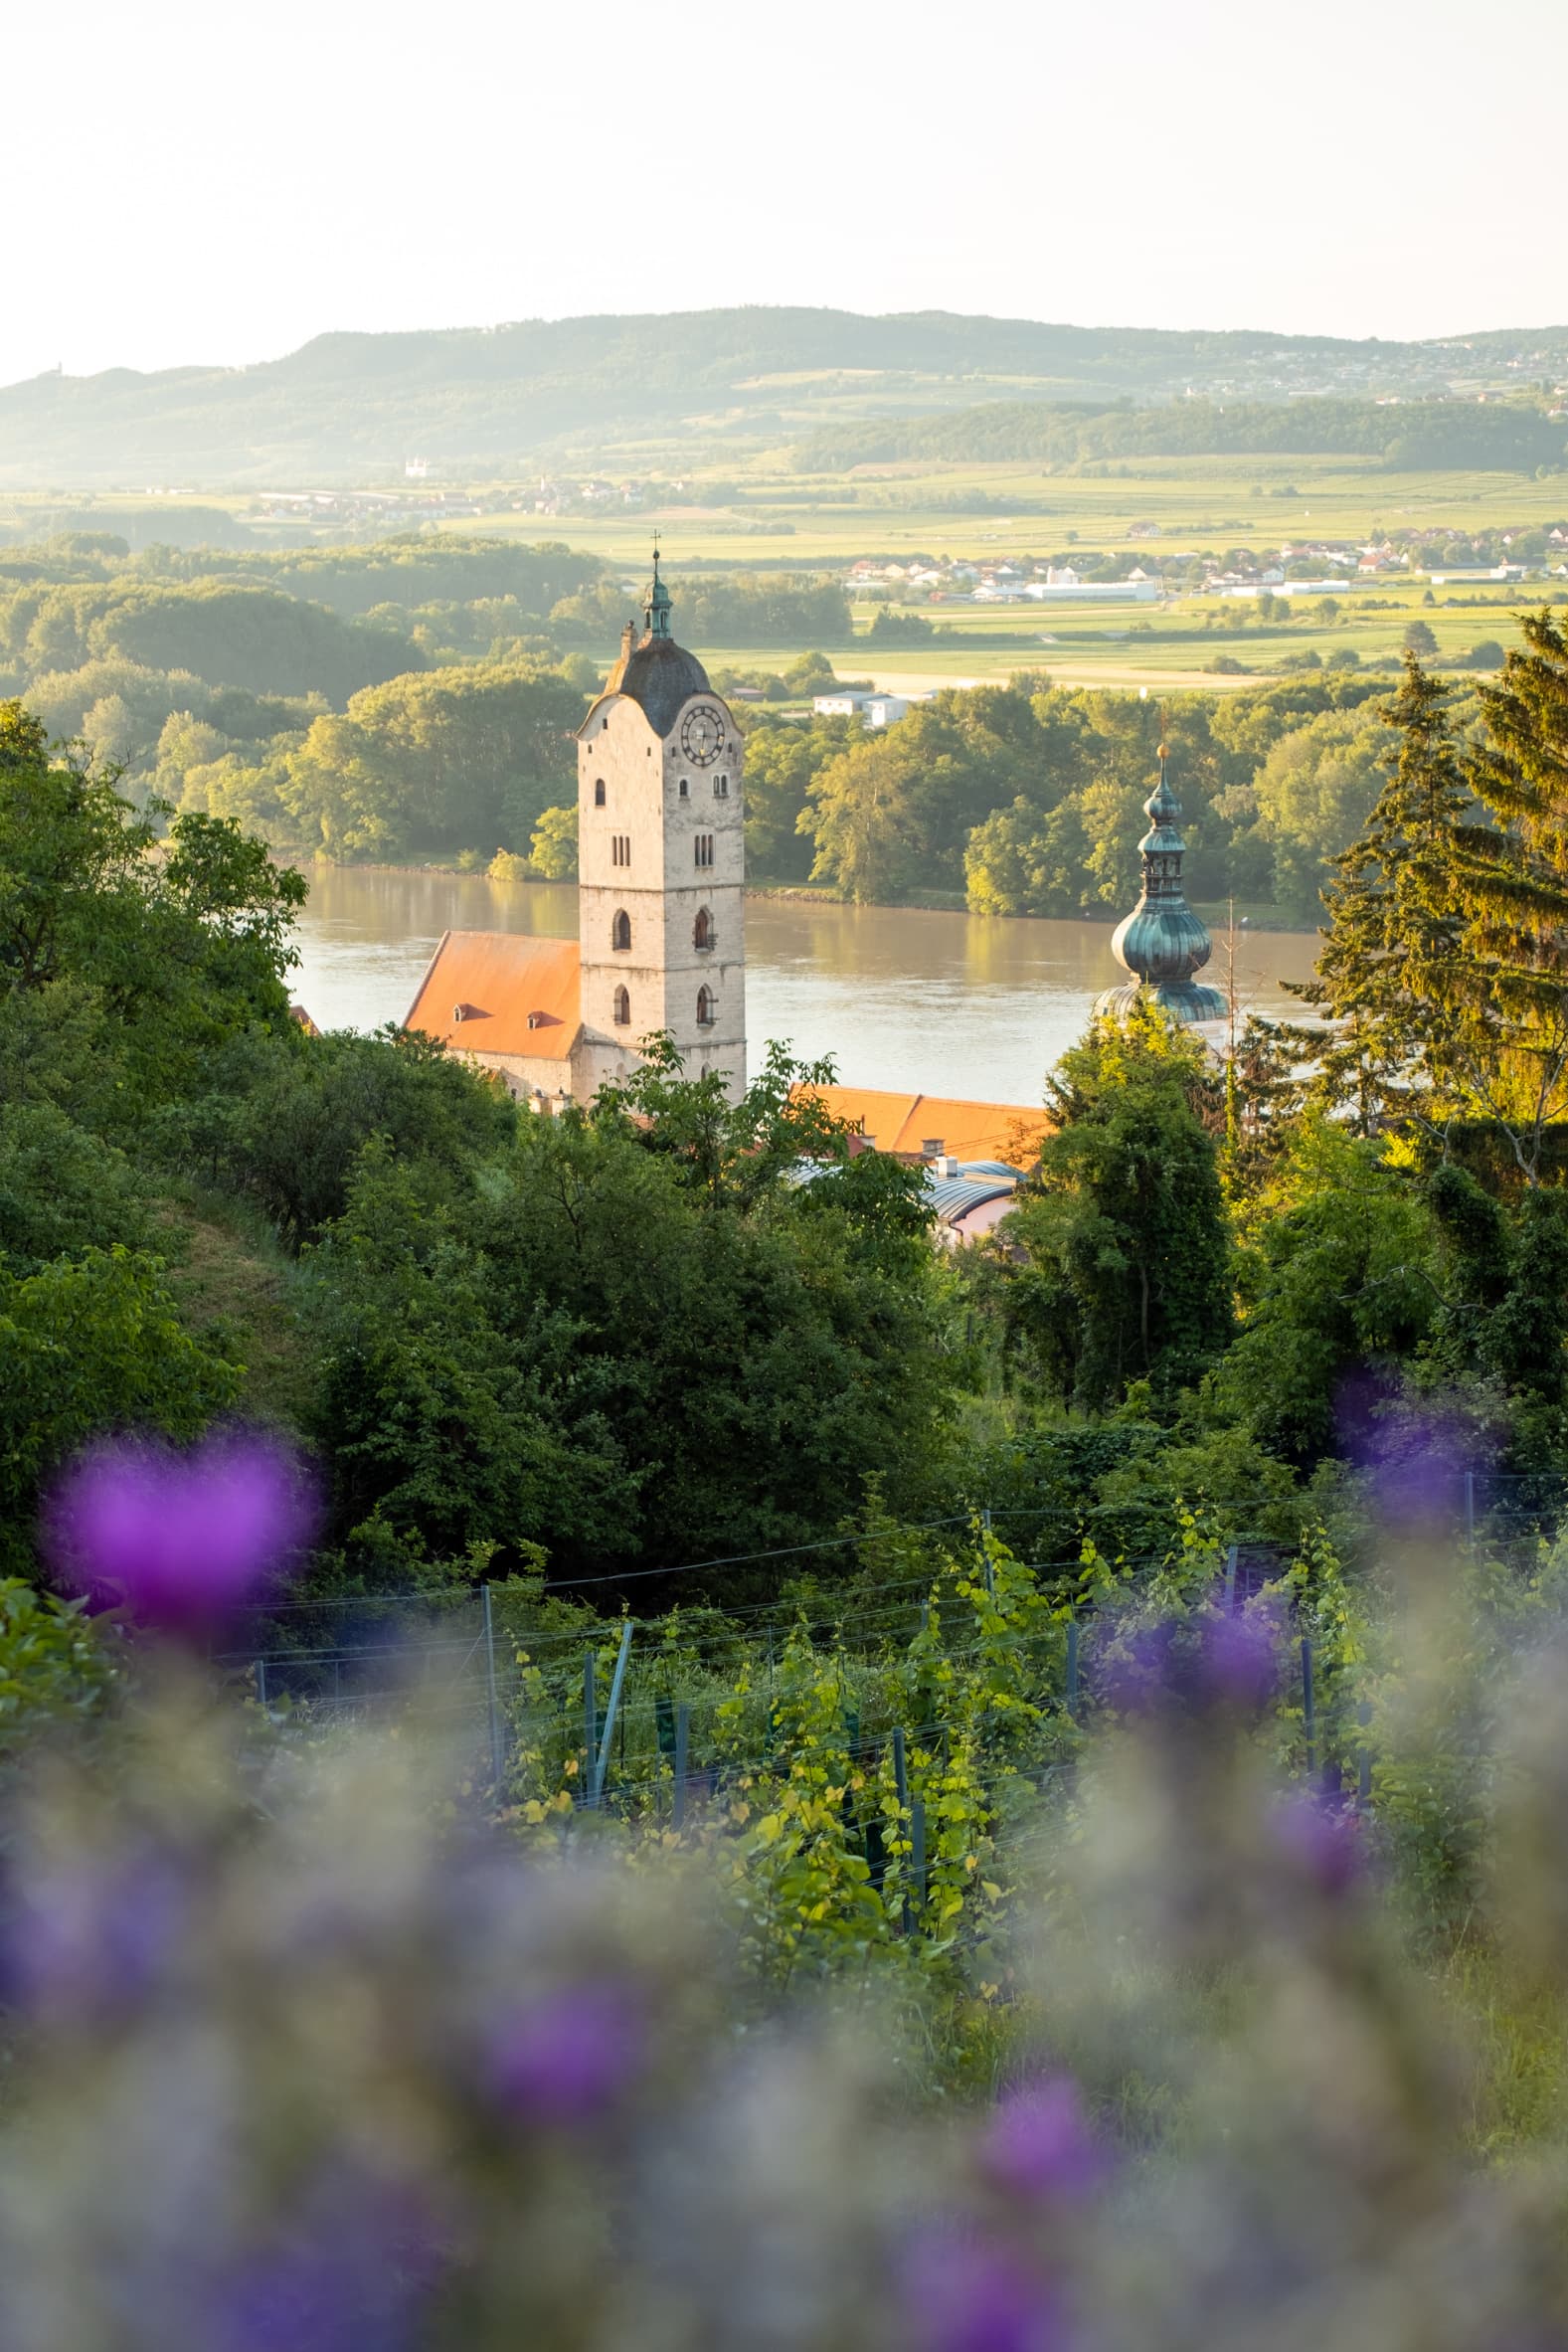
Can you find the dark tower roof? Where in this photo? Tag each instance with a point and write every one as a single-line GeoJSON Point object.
{"type": "Point", "coordinates": [1162, 943]}
{"type": "Point", "coordinates": [657, 672]}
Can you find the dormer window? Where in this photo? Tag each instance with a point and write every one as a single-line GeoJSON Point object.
{"type": "Point", "coordinates": [599, 792]}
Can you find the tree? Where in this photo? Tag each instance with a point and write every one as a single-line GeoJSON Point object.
{"type": "Point", "coordinates": [781, 762]}
{"type": "Point", "coordinates": [1338, 1281]}
{"type": "Point", "coordinates": [552, 850]}
{"type": "Point", "coordinates": [1314, 795]}
{"type": "Point", "coordinates": [1421, 638]}
{"type": "Point", "coordinates": [90, 1344]}
{"type": "Point", "coordinates": [634, 1334]}
{"type": "Point", "coordinates": [453, 759]}
{"type": "Point", "coordinates": [1444, 968]}
{"type": "Point", "coordinates": [1127, 1273]}
{"type": "Point", "coordinates": [289, 1117]}
{"type": "Point", "coordinates": [1392, 961]}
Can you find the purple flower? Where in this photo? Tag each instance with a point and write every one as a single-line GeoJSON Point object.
{"type": "Point", "coordinates": [1414, 1452]}
{"type": "Point", "coordinates": [1240, 1664]}
{"type": "Point", "coordinates": [1321, 1838]}
{"type": "Point", "coordinates": [96, 1938]}
{"type": "Point", "coordinates": [350, 2274]}
{"type": "Point", "coordinates": [1039, 2143]}
{"type": "Point", "coordinates": [567, 2057]}
{"type": "Point", "coordinates": [177, 1539]}
{"type": "Point", "coordinates": [968, 2296]}
{"type": "Point", "coordinates": [1137, 1669]}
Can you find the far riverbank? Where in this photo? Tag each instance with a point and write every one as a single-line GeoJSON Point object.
{"type": "Point", "coordinates": [1216, 913]}
{"type": "Point", "coordinates": [921, 999]}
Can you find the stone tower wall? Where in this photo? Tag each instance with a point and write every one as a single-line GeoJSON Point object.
{"type": "Point", "coordinates": [661, 888]}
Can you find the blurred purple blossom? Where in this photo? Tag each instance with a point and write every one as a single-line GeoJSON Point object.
{"type": "Point", "coordinates": [1227, 1660]}
{"type": "Point", "coordinates": [350, 2276]}
{"type": "Point", "coordinates": [95, 1938]}
{"type": "Point", "coordinates": [1039, 2143]}
{"type": "Point", "coordinates": [567, 2057]}
{"type": "Point", "coordinates": [1240, 1661]}
{"type": "Point", "coordinates": [1415, 1451]}
{"type": "Point", "coordinates": [1136, 1669]}
{"type": "Point", "coordinates": [966, 2294]}
{"type": "Point", "coordinates": [1321, 1837]}
{"type": "Point", "coordinates": [178, 1539]}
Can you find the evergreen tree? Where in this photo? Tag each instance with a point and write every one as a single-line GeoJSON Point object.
{"type": "Point", "coordinates": [1395, 936]}
{"type": "Point", "coordinates": [1445, 969]}
{"type": "Point", "coordinates": [1512, 884]}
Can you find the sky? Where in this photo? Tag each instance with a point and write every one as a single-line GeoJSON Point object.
{"type": "Point", "coordinates": [210, 184]}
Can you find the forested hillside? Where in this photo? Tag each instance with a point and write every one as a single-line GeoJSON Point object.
{"type": "Point", "coordinates": [356, 405]}
{"type": "Point", "coordinates": [1408, 437]}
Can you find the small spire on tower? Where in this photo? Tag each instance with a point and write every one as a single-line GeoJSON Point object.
{"type": "Point", "coordinates": [658, 604]}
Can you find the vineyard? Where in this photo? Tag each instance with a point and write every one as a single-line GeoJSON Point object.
{"type": "Point", "coordinates": [883, 1764]}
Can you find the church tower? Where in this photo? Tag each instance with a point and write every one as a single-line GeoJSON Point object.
{"type": "Point", "coordinates": [1162, 943]}
{"type": "Point", "coordinates": [661, 860]}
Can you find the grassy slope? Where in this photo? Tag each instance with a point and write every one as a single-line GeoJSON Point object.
{"type": "Point", "coordinates": [231, 1283]}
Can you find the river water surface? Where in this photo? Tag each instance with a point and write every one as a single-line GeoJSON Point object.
{"type": "Point", "coordinates": [941, 1003]}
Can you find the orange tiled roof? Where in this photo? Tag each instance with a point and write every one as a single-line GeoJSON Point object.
{"type": "Point", "coordinates": [482, 987]}
{"type": "Point", "coordinates": [969, 1131]}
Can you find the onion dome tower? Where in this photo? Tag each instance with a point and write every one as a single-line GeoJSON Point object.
{"type": "Point", "coordinates": [1161, 942]}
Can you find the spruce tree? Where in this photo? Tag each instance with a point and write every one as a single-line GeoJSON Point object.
{"type": "Point", "coordinates": [1512, 882]}
{"type": "Point", "coordinates": [1391, 966]}
{"type": "Point", "coordinates": [1446, 963]}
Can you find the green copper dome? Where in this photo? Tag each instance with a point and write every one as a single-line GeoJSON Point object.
{"type": "Point", "coordinates": [1162, 943]}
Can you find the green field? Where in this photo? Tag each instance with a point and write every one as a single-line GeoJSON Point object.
{"type": "Point", "coordinates": [774, 520]}
{"type": "Point", "coordinates": [778, 521]}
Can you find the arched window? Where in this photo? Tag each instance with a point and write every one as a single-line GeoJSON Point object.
{"type": "Point", "coordinates": [622, 1008]}
{"type": "Point", "coordinates": [705, 1009]}
{"type": "Point", "coordinates": [702, 930]}
{"type": "Point", "coordinates": [620, 930]}
{"type": "Point", "coordinates": [720, 788]}
{"type": "Point", "coordinates": [599, 792]}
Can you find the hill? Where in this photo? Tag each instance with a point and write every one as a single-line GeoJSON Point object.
{"type": "Point", "coordinates": [356, 405]}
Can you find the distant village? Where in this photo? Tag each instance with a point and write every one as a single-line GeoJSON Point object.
{"type": "Point", "coordinates": [1145, 572]}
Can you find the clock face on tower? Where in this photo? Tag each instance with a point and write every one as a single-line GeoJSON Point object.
{"type": "Point", "coordinates": [702, 734]}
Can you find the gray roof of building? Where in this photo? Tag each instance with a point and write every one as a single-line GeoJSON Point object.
{"type": "Point", "coordinates": [955, 1196]}
{"type": "Point", "coordinates": [659, 675]}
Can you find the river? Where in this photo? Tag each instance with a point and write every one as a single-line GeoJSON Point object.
{"type": "Point", "coordinates": [969, 1005]}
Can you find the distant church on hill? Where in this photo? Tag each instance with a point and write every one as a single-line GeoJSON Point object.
{"type": "Point", "coordinates": [661, 924]}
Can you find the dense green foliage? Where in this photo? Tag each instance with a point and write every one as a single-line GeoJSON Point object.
{"type": "Point", "coordinates": [632, 1338]}
{"type": "Point", "coordinates": [620, 1336]}
{"type": "Point", "coordinates": [1423, 437]}
{"type": "Point", "coordinates": [1029, 797]}
{"type": "Point", "coordinates": [492, 398]}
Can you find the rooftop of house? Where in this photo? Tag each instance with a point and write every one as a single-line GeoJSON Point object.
{"type": "Point", "coordinates": [500, 991]}
{"type": "Point", "coordinates": [928, 1124]}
